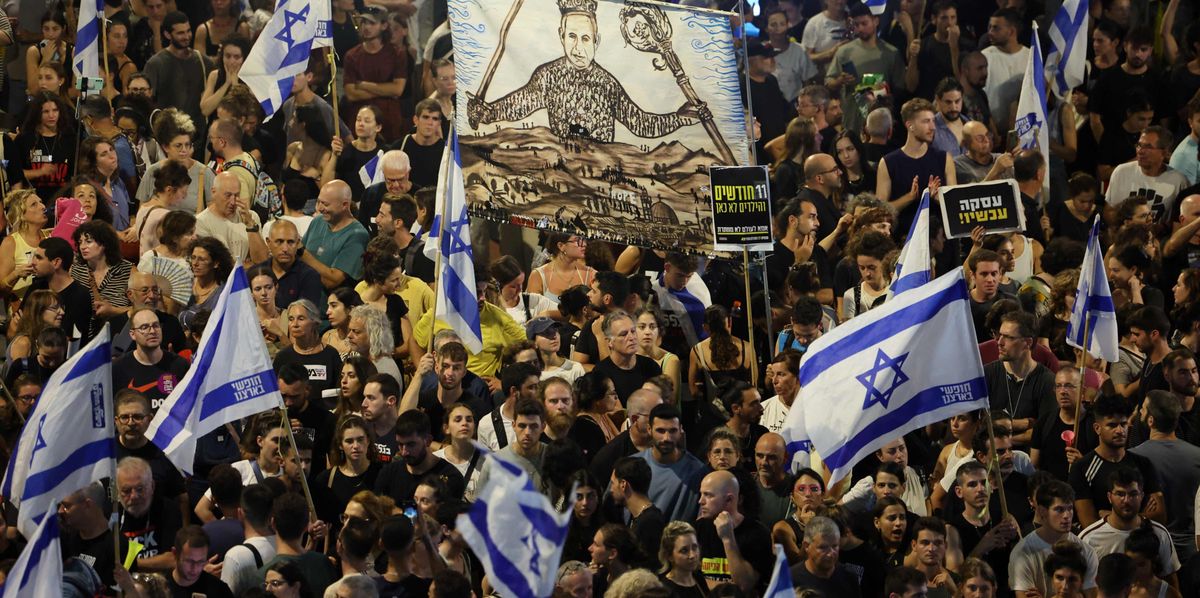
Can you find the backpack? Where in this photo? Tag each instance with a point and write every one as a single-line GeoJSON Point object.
{"type": "Point", "coordinates": [266, 193]}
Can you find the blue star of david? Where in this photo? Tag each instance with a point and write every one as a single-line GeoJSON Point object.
{"type": "Point", "coordinates": [290, 19]}
{"type": "Point", "coordinates": [536, 556]}
{"type": "Point", "coordinates": [39, 442]}
{"type": "Point", "coordinates": [871, 378]}
{"type": "Point", "coordinates": [455, 242]}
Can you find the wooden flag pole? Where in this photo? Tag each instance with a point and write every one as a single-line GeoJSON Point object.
{"type": "Point", "coordinates": [287, 424]}
{"type": "Point", "coordinates": [1079, 387]}
{"type": "Point", "coordinates": [749, 303]}
{"type": "Point", "coordinates": [994, 466]}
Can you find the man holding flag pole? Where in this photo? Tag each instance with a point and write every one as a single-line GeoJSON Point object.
{"type": "Point", "coordinates": [1093, 323]}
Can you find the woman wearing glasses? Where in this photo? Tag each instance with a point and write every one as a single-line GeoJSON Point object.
{"type": "Point", "coordinates": [284, 580]}
{"type": "Point", "coordinates": [567, 267]}
{"type": "Point", "coordinates": [175, 132]}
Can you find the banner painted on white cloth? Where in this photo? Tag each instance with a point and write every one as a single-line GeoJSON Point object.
{"type": "Point", "coordinates": [571, 117]}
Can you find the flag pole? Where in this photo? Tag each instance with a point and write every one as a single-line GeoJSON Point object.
{"type": "Point", "coordinates": [441, 261]}
{"type": "Point", "coordinates": [287, 424]}
{"type": "Point", "coordinates": [1079, 387]}
{"type": "Point", "coordinates": [994, 466]}
{"type": "Point", "coordinates": [104, 50]}
{"type": "Point", "coordinates": [749, 303]}
{"type": "Point", "coordinates": [333, 91]}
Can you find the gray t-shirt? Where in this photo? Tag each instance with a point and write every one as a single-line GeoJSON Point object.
{"type": "Point", "coordinates": [1178, 466]}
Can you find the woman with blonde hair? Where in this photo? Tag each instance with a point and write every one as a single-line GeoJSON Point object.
{"type": "Point", "coordinates": [679, 556]}
{"type": "Point", "coordinates": [26, 218]}
{"type": "Point", "coordinates": [799, 142]}
{"type": "Point", "coordinates": [175, 133]}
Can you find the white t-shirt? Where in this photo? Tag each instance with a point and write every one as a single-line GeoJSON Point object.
{"type": "Point", "coordinates": [775, 413]}
{"type": "Point", "coordinates": [486, 431]}
{"type": "Point", "coordinates": [569, 371]}
{"type": "Point", "coordinates": [240, 571]}
{"type": "Point", "coordinates": [1106, 539]}
{"type": "Point", "coordinates": [792, 68]}
{"type": "Point", "coordinates": [472, 480]}
{"type": "Point", "coordinates": [250, 473]}
{"type": "Point", "coordinates": [301, 223]}
{"type": "Point", "coordinates": [537, 304]}
{"type": "Point", "coordinates": [1160, 191]}
{"type": "Point", "coordinates": [1025, 564]}
{"type": "Point", "coordinates": [822, 33]}
{"type": "Point", "coordinates": [1004, 76]}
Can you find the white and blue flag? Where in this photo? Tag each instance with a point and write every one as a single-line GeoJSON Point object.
{"type": "Point", "coordinates": [795, 438]}
{"type": "Point", "coordinates": [231, 377]}
{"type": "Point", "coordinates": [1031, 123]}
{"type": "Point", "coordinates": [1067, 59]}
{"type": "Point", "coordinates": [450, 234]}
{"type": "Point", "coordinates": [515, 531]}
{"type": "Point", "coordinates": [323, 13]}
{"type": "Point", "coordinates": [910, 362]}
{"type": "Point", "coordinates": [280, 54]}
{"type": "Point", "coordinates": [86, 62]}
{"type": "Point", "coordinates": [878, 7]}
{"type": "Point", "coordinates": [372, 171]}
{"type": "Point", "coordinates": [39, 569]}
{"type": "Point", "coordinates": [1094, 317]}
{"type": "Point", "coordinates": [913, 268]}
{"type": "Point", "coordinates": [781, 578]}
{"type": "Point", "coordinates": [69, 440]}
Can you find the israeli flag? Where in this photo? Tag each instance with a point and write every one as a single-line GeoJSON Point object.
{"type": "Point", "coordinates": [372, 171]}
{"type": "Point", "coordinates": [781, 579]}
{"type": "Point", "coordinates": [457, 303]}
{"type": "Point", "coordinates": [322, 12]}
{"type": "Point", "coordinates": [910, 362]}
{"type": "Point", "coordinates": [913, 268]}
{"type": "Point", "coordinates": [877, 6]}
{"type": "Point", "coordinates": [515, 531]}
{"type": "Point", "coordinates": [795, 438]}
{"type": "Point", "coordinates": [86, 62]}
{"type": "Point", "coordinates": [1094, 318]}
{"type": "Point", "coordinates": [39, 569]}
{"type": "Point", "coordinates": [1031, 123]}
{"type": "Point", "coordinates": [231, 377]}
{"type": "Point", "coordinates": [280, 54]}
{"type": "Point", "coordinates": [1067, 59]}
{"type": "Point", "coordinates": [69, 440]}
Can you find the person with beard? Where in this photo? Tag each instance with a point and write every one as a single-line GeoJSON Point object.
{"type": "Point", "coordinates": [634, 439]}
{"type": "Point", "coordinates": [1110, 99]}
{"type": "Point", "coordinates": [624, 366]}
{"type": "Point", "coordinates": [517, 381]}
{"type": "Point", "coordinates": [375, 74]}
{"type": "Point", "coordinates": [177, 73]}
{"type": "Point", "coordinates": [1089, 475]}
{"type": "Point", "coordinates": [949, 121]}
{"type": "Point", "coordinates": [608, 292]}
{"type": "Point", "coordinates": [562, 420]}
{"type": "Point", "coordinates": [380, 396]}
{"type": "Point", "coordinates": [146, 517]}
{"type": "Point", "coordinates": [868, 54]}
{"type": "Point", "coordinates": [905, 172]}
{"type": "Point", "coordinates": [1109, 534]}
{"type": "Point", "coordinates": [450, 363]}
{"type": "Point", "coordinates": [860, 497]}
{"type": "Point", "coordinates": [527, 449]}
{"type": "Point", "coordinates": [733, 547]}
{"type": "Point", "coordinates": [1178, 462]}
{"type": "Point", "coordinates": [1018, 384]}
{"type": "Point", "coordinates": [675, 481]}
{"type": "Point", "coordinates": [86, 533]}
{"type": "Point", "coordinates": [400, 478]}
{"type": "Point", "coordinates": [972, 75]}
{"type": "Point", "coordinates": [1026, 562]}
{"type": "Point", "coordinates": [744, 404]}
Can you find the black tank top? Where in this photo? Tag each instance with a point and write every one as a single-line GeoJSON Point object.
{"type": "Point", "coordinates": [902, 169]}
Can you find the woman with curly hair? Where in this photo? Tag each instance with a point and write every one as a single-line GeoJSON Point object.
{"type": "Point", "coordinates": [98, 266]}
{"type": "Point", "coordinates": [84, 191]}
{"type": "Point", "coordinates": [211, 264]}
{"type": "Point", "coordinates": [169, 259]}
{"type": "Point", "coordinates": [98, 162]}
{"type": "Point", "coordinates": [721, 356]}
{"type": "Point", "coordinates": [27, 220]}
{"type": "Point", "coordinates": [799, 142]}
{"type": "Point", "coordinates": [382, 274]}
{"type": "Point", "coordinates": [352, 468]}
{"type": "Point", "coordinates": [175, 133]}
{"type": "Point", "coordinates": [43, 152]}
{"type": "Point", "coordinates": [1052, 327]}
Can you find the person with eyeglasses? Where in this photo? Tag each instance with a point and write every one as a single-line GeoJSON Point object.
{"type": "Point", "coordinates": [148, 369]}
{"type": "Point", "coordinates": [1049, 447]}
{"type": "Point", "coordinates": [146, 517]}
{"type": "Point", "coordinates": [1148, 175]}
{"type": "Point", "coordinates": [175, 132]}
{"type": "Point", "coordinates": [1017, 383]}
{"type": "Point", "coordinates": [26, 390]}
{"type": "Point", "coordinates": [284, 580]}
{"type": "Point", "coordinates": [188, 577]}
{"type": "Point", "coordinates": [1111, 533]}
{"type": "Point", "coordinates": [132, 415]}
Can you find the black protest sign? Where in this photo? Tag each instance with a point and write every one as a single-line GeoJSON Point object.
{"type": "Point", "coordinates": [741, 204]}
{"type": "Point", "coordinates": [994, 205]}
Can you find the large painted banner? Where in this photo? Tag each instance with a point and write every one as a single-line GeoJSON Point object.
{"type": "Point", "coordinates": [597, 117]}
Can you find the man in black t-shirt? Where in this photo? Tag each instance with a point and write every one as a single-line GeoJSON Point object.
{"type": "Point", "coordinates": [1110, 99]}
{"type": "Point", "coordinates": [148, 369]}
{"type": "Point", "coordinates": [380, 396]}
{"type": "Point", "coordinates": [147, 519]}
{"type": "Point", "coordinates": [308, 420]}
{"type": "Point", "coordinates": [52, 270]}
{"type": "Point", "coordinates": [133, 415]}
{"type": "Point", "coordinates": [608, 292]}
{"type": "Point", "coordinates": [400, 478]}
{"type": "Point", "coordinates": [1089, 475]}
{"type": "Point", "coordinates": [721, 528]}
{"type": "Point", "coordinates": [629, 487]}
{"type": "Point", "coordinates": [86, 533]}
{"type": "Point", "coordinates": [820, 569]}
{"type": "Point", "coordinates": [627, 370]}
{"type": "Point", "coordinates": [425, 144]}
{"type": "Point", "coordinates": [189, 578]}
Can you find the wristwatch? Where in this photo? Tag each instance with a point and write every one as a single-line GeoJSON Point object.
{"type": "Point", "coordinates": [252, 229]}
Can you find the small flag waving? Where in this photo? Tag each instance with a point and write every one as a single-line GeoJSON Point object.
{"type": "Point", "coordinates": [1094, 317]}
{"type": "Point", "coordinates": [515, 531]}
{"type": "Point", "coordinates": [280, 54]}
{"type": "Point", "coordinates": [1031, 123]}
{"type": "Point", "coordinates": [781, 579]}
{"type": "Point", "coordinates": [913, 267]}
{"type": "Point", "coordinates": [231, 377]}
{"type": "Point", "coordinates": [1068, 47]}
{"type": "Point", "coordinates": [86, 62]}
{"type": "Point", "coordinates": [39, 569]}
{"type": "Point", "coordinates": [910, 362]}
{"type": "Point", "coordinates": [69, 440]}
{"type": "Point", "coordinates": [372, 171]}
{"type": "Point", "coordinates": [450, 234]}
{"type": "Point", "coordinates": [878, 7]}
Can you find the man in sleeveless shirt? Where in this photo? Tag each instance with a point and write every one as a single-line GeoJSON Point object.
{"type": "Point", "coordinates": [906, 172]}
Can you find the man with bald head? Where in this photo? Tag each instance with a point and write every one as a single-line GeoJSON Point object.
{"type": "Point", "coordinates": [732, 546]}
{"type": "Point", "coordinates": [296, 279]}
{"type": "Point", "coordinates": [335, 242]}
{"type": "Point", "coordinates": [634, 439]}
{"type": "Point", "coordinates": [774, 483]}
{"type": "Point", "coordinates": [977, 162]}
{"type": "Point", "coordinates": [1182, 250]}
{"type": "Point", "coordinates": [822, 178]}
{"type": "Point", "coordinates": [148, 368]}
{"type": "Point", "coordinates": [229, 219]}
{"type": "Point", "coordinates": [144, 291]}
{"type": "Point", "coordinates": [396, 181]}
